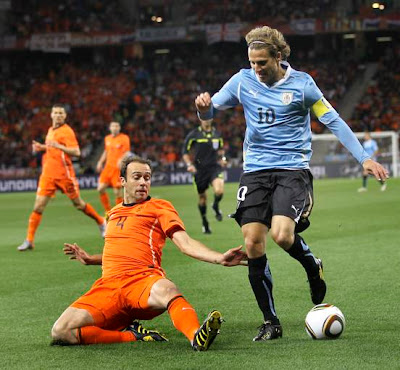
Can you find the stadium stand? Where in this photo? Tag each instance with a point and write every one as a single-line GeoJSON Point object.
{"type": "Point", "coordinates": [153, 96]}
{"type": "Point", "coordinates": [379, 108]}
{"type": "Point", "coordinates": [26, 18]}
{"type": "Point", "coordinates": [250, 10]}
{"type": "Point", "coordinates": [154, 102]}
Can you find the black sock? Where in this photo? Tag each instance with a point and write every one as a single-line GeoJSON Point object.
{"type": "Point", "coordinates": [217, 199]}
{"type": "Point", "coordinates": [203, 211]}
{"type": "Point", "coordinates": [301, 252]}
{"type": "Point", "coordinates": [365, 181]}
{"type": "Point", "coordinates": [261, 283]}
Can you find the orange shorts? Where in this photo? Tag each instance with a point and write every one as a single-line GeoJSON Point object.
{"type": "Point", "coordinates": [48, 187]}
{"type": "Point", "coordinates": [111, 177]}
{"type": "Point", "coordinates": [116, 301]}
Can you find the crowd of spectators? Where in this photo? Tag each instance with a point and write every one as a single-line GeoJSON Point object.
{"type": "Point", "coordinates": [91, 97]}
{"type": "Point", "coordinates": [379, 108]}
{"type": "Point", "coordinates": [26, 18]}
{"type": "Point", "coordinates": [42, 16]}
{"type": "Point", "coordinates": [209, 11]}
{"type": "Point", "coordinates": [153, 99]}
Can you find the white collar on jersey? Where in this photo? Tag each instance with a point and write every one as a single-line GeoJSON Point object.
{"type": "Point", "coordinates": [286, 66]}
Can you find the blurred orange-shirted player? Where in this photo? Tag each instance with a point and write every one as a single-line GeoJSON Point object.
{"type": "Point", "coordinates": [133, 285]}
{"type": "Point", "coordinates": [58, 173]}
{"type": "Point", "coordinates": [116, 147]}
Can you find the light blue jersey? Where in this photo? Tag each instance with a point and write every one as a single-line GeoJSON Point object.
{"type": "Point", "coordinates": [278, 132]}
{"type": "Point", "coordinates": [371, 147]}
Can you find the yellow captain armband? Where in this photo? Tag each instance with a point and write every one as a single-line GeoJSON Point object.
{"type": "Point", "coordinates": [321, 107]}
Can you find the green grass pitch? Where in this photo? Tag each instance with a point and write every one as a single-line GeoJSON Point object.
{"type": "Point", "coordinates": [356, 235]}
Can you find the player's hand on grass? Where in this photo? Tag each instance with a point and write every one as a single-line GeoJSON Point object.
{"type": "Point", "coordinates": [77, 253]}
{"type": "Point", "coordinates": [203, 102]}
{"type": "Point", "coordinates": [376, 169]}
{"type": "Point", "coordinates": [234, 257]}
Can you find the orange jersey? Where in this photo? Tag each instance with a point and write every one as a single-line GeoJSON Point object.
{"type": "Point", "coordinates": [116, 147]}
{"type": "Point", "coordinates": [58, 164]}
{"type": "Point", "coordinates": [136, 234]}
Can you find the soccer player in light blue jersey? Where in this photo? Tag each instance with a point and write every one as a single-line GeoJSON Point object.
{"type": "Point", "coordinates": [276, 190]}
{"type": "Point", "coordinates": [371, 147]}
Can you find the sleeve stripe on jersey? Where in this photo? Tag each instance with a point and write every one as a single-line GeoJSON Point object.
{"type": "Point", "coordinates": [189, 144]}
{"type": "Point", "coordinates": [321, 107]}
{"type": "Point", "coordinates": [238, 92]}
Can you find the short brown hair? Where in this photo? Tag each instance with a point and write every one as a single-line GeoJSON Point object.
{"type": "Point", "coordinates": [268, 38]}
{"type": "Point", "coordinates": [132, 159]}
{"type": "Point", "coordinates": [58, 105]}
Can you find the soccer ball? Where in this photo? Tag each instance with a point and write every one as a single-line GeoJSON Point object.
{"type": "Point", "coordinates": [325, 321]}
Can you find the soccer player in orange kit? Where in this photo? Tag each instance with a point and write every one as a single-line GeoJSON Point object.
{"type": "Point", "coordinates": [116, 146]}
{"type": "Point", "coordinates": [58, 173]}
{"type": "Point", "coordinates": [133, 285]}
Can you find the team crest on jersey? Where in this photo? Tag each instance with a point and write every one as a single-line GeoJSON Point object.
{"type": "Point", "coordinates": [215, 144]}
{"type": "Point", "coordinates": [287, 98]}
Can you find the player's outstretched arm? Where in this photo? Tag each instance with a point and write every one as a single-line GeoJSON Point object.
{"type": "Point", "coordinates": [198, 250]}
{"type": "Point", "coordinates": [376, 169]}
{"type": "Point", "coordinates": [235, 256]}
{"type": "Point", "coordinates": [77, 253]}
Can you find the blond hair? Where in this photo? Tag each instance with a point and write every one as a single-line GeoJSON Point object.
{"type": "Point", "coordinates": [268, 38]}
